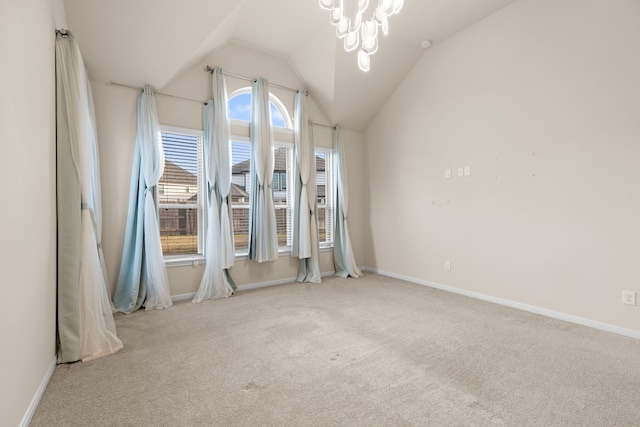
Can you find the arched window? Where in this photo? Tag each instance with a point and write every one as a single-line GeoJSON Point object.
{"type": "Point", "coordinates": [240, 108]}
{"type": "Point", "coordinates": [240, 111]}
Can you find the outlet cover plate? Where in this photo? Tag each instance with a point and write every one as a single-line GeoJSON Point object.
{"type": "Point", "coordinates": [629, 297]}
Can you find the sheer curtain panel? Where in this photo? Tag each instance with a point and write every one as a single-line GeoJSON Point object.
{"type": "Point", "coordinates": [86, 329]}
{"type": "Point", "coordinates": [142, 280]}
{"type": "Point", "coordinates": [345, 262]}
{"type": "Point", "coordinates": [220, 254]}
{"type": "Point", "coordinates": [305, 245]}
{"type": "Point", "coordinates": [263, 238]}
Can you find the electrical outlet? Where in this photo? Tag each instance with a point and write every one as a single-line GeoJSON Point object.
{"type": "Point", "coordinates": [460, 171]}
{"type": "Point", "coordinates": [467, 171]}
{"type": "Point", "coordinates": [447, 265]}
{"type": "Point", "coordinates": [629, 297]}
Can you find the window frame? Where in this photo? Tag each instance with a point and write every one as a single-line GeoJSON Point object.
{"type": "Point", "coordinates": [329, 202]}
{"type": "Point", "coordinates": [282, 137]}
{"type": "Point", "coordinates": [288, 120]}
{"type": "Point", "coordinates": [200, 257]}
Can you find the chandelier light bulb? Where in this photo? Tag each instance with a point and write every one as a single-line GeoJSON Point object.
{"type": "Point", "coordinates": [397, 6]}
{"type": "Point", "coordinates": [364, 62]}
{"type": "Point", "coordinates": [369, 33]}
{"type": "Point", "coordinates": [370, 48]}
{"type": "Point", "coordinates": [336, 15]}
{"type": "Point", "coordinates": [362, 6]}
{"type": "Point", "coordinates": [357, 21]}
{"type": "Point", "coordinates": [385, 25]}
{"type": "Point", "coordinates": [343, 27]}
{"type": "Point", "coordinates": [386, 6]}
{"type": "Point", "coordinates": [326, 4]}
{"type": "Point", "coordinates": [351, 40]}
{"type": "Point", "coordinates": [380, 14]}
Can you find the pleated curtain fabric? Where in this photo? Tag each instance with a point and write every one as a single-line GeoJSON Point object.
{"type": "Point", "coordinates": [305, 245]}
{"type": "Point", "coordinates": [142, 280]}
{"type": "Point", "coordinates": [344, 260]}
{"type": "Point", "coordinates": [263, 237]}
{"type": "Point", "coordinates": [96, 195]}
{"type": "Point", "coordinates": [86, 329]}
{"type": "Point", "coordinates": [220, 254]}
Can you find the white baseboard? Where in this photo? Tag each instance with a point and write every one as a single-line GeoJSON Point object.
{"type": "Point", "coordinates": [26, 420]}
{"type": "Point", "coordinates": [266, 284]}
{"type": "Point", "coordinates": [513, 304]}
{"type": "Point", "coordinates": [183, 297]}
{"type": "Point", "coordinates": [257, 285]}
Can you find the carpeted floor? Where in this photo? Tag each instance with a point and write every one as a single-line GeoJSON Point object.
{"type": "Point", "coordinates": [368, 352]}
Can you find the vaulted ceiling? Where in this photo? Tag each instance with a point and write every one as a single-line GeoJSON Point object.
{"type": "Point", "coordinates": [153, 41]}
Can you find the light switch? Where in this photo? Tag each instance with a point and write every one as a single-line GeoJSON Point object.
{"type": "Point", "coordinates": [447, 173]}
{"type": "Point", "coordinates": [467, 171]}
{"type": "Point", "coordinates": [460, 171]}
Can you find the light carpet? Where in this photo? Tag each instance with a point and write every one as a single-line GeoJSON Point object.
{"type": "Point", "coordinates": [373, 351]}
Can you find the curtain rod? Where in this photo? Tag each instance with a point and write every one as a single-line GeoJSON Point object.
{"type": "Point", "coordinates": [322, 125]}
{"type": "Point", "coordinates": [208, 69]}
{"type": "Point", "coordinates": [112, 83]}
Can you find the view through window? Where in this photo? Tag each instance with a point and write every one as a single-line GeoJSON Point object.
{"type": "Point", "coordinates": [180, 195]}
{"type": "Point", "coordinates": [240, 110]}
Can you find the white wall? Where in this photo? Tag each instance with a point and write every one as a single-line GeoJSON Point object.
{"type": "Point", "coordinates": [28, 202]}
{"type": "Point", "coordinates": [542, 100]}
{"type": "Point", "coordinates": [115, 111]}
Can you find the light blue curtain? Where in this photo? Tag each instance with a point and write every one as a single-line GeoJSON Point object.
{"type": "Point", "coordinates": [220, 254]}
{"type": "Point", "coordinates": [305, 245]}
{"type": "Point", "coordinates": [263, 237]}
{"type": "Point", "coordinates": [86, 329]}
{"type": "Point", "coordinates": [142, 280]}
{"type": "Point", "coordinates": [345, 262]}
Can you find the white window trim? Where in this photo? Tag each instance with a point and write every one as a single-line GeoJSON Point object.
{"type": "Point", "coordinates": [328, 195]}
{"type": "Point", "coordinates": [272, 98]}
{"type": "Point", "coordinates": [282, 137]}
{"type": "Point", "coordinates": [192, 259]}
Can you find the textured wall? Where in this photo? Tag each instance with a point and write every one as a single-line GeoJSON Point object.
{"type": "Point", "coordinates": [542, 101]}
{"type": "Point", "coordinates": [28, 202]}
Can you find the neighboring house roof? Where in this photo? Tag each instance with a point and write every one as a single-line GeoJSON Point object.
{"type": "Point", "coordinates": [174, 174]}
{"type": "Point", "coordinates": [279, 160]}
{"type": "Point", "coordinates": [242, 167]}
{"type": "Point", "coordinates": [238, 192]}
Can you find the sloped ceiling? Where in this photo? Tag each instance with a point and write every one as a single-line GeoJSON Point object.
{"type": "Point", "coordinates": [152, 41]}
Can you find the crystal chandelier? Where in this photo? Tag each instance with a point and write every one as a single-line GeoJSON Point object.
{"type": "Point", "coordinates": [357, 31]}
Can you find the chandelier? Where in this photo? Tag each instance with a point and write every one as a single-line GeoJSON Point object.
{"type": "Point", "coordinates": [360, 30]}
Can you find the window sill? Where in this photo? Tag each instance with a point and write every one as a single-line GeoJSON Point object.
{"type": "Point", "coordinates": [243, 256]}
{"type": "Point", "coordinates": [181, 261]}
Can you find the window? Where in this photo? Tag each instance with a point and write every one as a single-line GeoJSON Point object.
{"type": "Point", "coordinates": [180, 194]}
{"type": "Point", "coordinates": [240, 113]}
{"type": "Point", "coordinates": [324, 194]}
{"type": "Point", "coordinates": [283, 199]}
{"type": "Point", "coordinates": [240, 109]}
{"type": "Point", "coordinates": [240, 182]}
